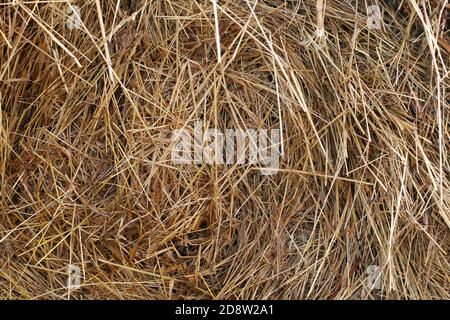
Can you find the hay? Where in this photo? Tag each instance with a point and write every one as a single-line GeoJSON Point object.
{"type": "Point", "coordinates": [86, 117]}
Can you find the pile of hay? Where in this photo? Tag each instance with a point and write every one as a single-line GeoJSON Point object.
{"type": "Point", "coordinates": [87, 112]}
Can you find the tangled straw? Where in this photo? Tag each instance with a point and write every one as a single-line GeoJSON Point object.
{"type": "Point", "coordinates": [358, 208]}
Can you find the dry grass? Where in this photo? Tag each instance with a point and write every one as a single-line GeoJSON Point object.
{"type": "Point", "coordinates": [86, 118]}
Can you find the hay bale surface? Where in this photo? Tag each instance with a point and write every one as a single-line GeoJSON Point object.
{"type": "Point", "coordinates": [86, 178]}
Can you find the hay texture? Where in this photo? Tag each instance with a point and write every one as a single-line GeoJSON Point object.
{"type": "Point", "coordinates": [89, 103]}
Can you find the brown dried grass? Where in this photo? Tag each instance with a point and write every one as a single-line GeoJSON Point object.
{"type": "Point", "coordinates": [87, 178]}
